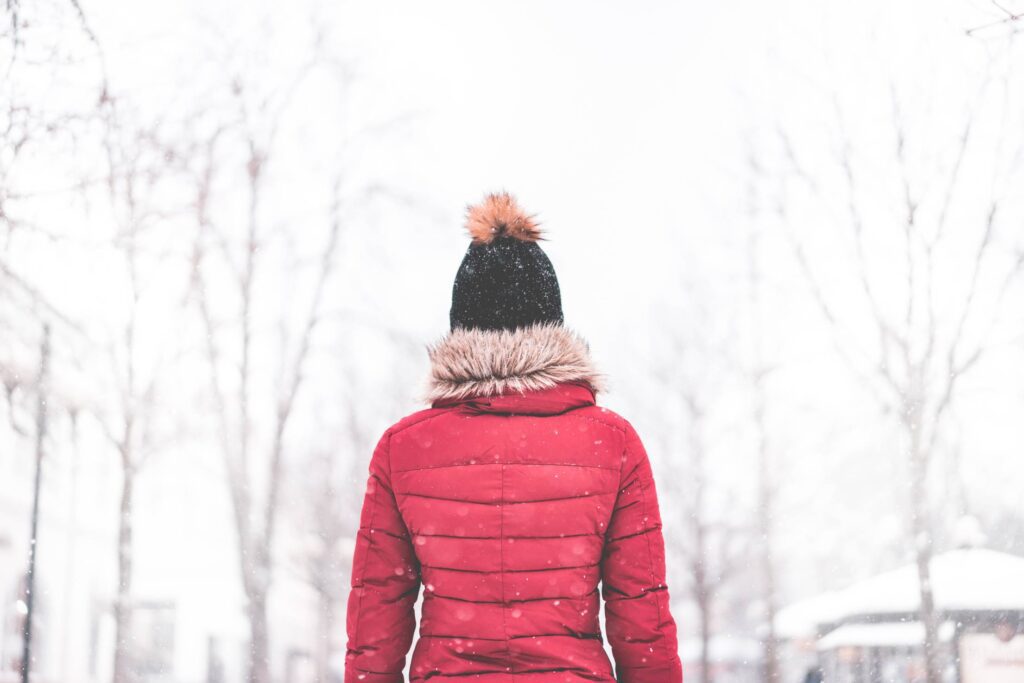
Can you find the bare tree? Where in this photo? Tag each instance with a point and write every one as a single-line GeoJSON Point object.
{"type": "Point", "coordinates": [766, 470]}
{"type": "Point", "coordinates": [1004, 17]}
{"type": "Point", "coordinates": [326, 519]}
{"type": "Point", "coordinates": [693, 369]}
{"type": "Point", "coordinates": [922, 347]}
{"type": "Point", "coordinates": [324, 555]}
{"type": "Point", "coordinates": [713, 555]}
{"type": "Point", "coordinates": [136, 165]}
{"type": "Point", "coordinates": [254, 470]}
{"type": "Point", "coordinates": [33, 128]}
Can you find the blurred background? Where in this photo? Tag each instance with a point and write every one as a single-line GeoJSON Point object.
{"type": "Point", "coordinates": [792, 232]}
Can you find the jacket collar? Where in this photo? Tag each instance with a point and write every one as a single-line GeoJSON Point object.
{"type": "Point", "coordinates": [545, 367]}
{"type": "Point", "coordinates": [551, 401]}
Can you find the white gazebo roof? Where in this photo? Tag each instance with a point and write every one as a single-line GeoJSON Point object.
{"type": "Point", "coordinates": [971, 579]}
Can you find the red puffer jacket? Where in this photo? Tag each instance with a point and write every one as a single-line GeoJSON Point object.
{"type": "Point", "coordinates": [509, 500]}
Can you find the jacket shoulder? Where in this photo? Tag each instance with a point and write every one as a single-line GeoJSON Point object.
{"type": "Point", "coordinates": [413, 419]}
{"type": "Point", "coordinates": [606, 416]}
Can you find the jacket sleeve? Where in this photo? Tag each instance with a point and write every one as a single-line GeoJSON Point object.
{"type": "Point", "coordinates": [640, 627]}
{"type": "Point", "coordinates": [385, 583]}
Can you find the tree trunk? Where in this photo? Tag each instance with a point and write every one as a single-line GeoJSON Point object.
{"type": "Point", "coordinates": [122, 604]}
{"type": "Point", "coordinates": [325, 629]}
{"type": "Point", "coordinates": [920, 527]}
{"type": "Point", "coordinates": [771, 650]}
{"type": "Point", "coordinates": [703, 589]}
{"type": "Point", "coordinates": [701, 584]}
{"type": "Point", "coordinates": [704, 610]}
{"type": "Point", "coordinates": [766, 509]}
{"type": "Point", "coordinates": [30, 576]}
{"type": "Point", "coordinates": [259, 640]}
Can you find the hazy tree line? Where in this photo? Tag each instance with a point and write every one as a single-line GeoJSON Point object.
{"type": "Point", "coordinates": [175, 207]}
{"type": "Point", "coordinates": [903, 254]}
{"type": "Point", "coordinates": [910, 270]}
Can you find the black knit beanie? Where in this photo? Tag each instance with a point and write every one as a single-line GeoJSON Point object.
{"type": "Point", "coordinates": [506, 280]}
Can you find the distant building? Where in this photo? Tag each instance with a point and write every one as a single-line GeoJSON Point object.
{"type": "Point", "coordinates": [870, 631]}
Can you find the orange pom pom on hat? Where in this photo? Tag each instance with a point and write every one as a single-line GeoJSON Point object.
{"type": "Point", "coordinates": [506, 280]}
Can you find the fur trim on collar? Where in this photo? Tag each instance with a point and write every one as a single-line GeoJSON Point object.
{"type": "Point", "coordinates": [473, 362]}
